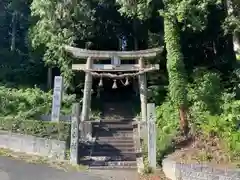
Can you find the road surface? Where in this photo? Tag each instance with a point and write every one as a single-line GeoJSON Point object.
{"type": "Point", "coordinates": [11, 169]}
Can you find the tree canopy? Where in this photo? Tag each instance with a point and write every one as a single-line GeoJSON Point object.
{"type": "Point", "coordinates": [34, 32]}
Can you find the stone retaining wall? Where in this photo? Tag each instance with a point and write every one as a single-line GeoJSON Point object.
{"type": "Point", "coordinates": [178, 171]}
{"type": "Point", "coordinates": [50, 148]}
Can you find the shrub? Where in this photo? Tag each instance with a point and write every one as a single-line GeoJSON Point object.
{"type": "Point", "coordinates": [204, 94]}
{"type": "Point", "coordinates": [36, 128]}
{"type": "Point", "coordinates": [167, 128]}
{"type": "Point", "coordinates": [214, 111]}
{"type": "Point", "coordinates": [230, 119]}
{"type": "Point", "coordinates": [225, 126]}
{"type": "Point", "coordinates": [211, 110]}
{"type": "Point", "coordinates": [29, 103]}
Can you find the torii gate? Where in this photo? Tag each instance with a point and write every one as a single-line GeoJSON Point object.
{"type": "Point", "coordinates": [92, 69]}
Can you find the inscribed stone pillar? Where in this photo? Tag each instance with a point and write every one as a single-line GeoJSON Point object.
{"type": "Point", "coordinates": [57, 98]}
{"type": "Point", "coordinates": [87, 92]}
{"type": "Point", "coordinates": [152, 146]}
{"type": "Point", "coordinates": [143, 91]}
{"type": "Point", "coordinates": [75, 133]}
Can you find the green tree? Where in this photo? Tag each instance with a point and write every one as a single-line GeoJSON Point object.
{"type": "Point", "coordinates": [178, 15]}
{"type": "Point", "coordinates": [18, 66]}
{"type": "Point", "coordinates": [60, 23]}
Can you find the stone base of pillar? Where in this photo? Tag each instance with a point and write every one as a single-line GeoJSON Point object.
{"type": "Point", "coordinates": [86, 131]}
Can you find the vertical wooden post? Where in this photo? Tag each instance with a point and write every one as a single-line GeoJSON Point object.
{"type": "Point", "coordinates": [87, 92]}
{"type": "Point", "coordinates": [143, 91]}
{"type": "Point", "coordinates": [75, 133]}
{"type": "Point", "coordinates": [152, 142]}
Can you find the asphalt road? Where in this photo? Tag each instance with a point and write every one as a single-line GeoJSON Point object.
{"type": "Point", "coordinates": [11, 169]}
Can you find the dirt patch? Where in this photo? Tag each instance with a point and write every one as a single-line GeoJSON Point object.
{"type": "Point", "coordinates": [203, 150]}
{"type": "Point", "coordinates": [158, 175]}
{"type": "Point", "coordinates": [151, 177]}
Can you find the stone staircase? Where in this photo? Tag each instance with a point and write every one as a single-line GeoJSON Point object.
{"type": "Point", "coordinates": [114, 145]}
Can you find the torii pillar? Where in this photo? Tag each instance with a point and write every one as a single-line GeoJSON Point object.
{"type": "Point", "coordinates": [143, 90]}
{"type": "Point", "coordinates": [86, 104]}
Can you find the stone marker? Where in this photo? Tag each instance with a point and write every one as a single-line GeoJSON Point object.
{"type": "Point", "coordinates": [151, 117]}
{"type": "Point", "coordinates": [57, 98]}
{"type": "Point", "coordinates": [75, 133]}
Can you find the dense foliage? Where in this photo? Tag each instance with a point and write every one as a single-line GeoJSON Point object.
{"type": "Point", "coordinates": [213, 111]}
{"type": "Point", "coordinates": [30, 103]}
{"type": "Point", "coordinates": [38, 35]}
{"type": "Point", "coordinates": [61, 25]}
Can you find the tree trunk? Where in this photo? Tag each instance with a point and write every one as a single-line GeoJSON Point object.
{"type": "Point", "coordinates": [183, 120]}
{"type": "Point", "coordinates": [135, 34]}
{"type": "Point", "coordinates": [236, 42]}
{"type": "Point", "coordinates": [176, 71]}
{"type": "Point", "coordinates": [13, 39]}
{"type": "Point", "coordinates": [230, 10]}
{"type": "Point", "coordinates": [49, 78]}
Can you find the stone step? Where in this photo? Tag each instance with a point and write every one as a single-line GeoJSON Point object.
{"type": "Point", "coordinates": [113, 154]}
{"type": "Point", "coordinates": [116, 164]}
{"type": "Point", "coordinates": [114, 130]}
{"type": "Point", "coordinates": [110, 126]}
{"type": "Point", "coordinates": [116, 134]}
{"type": "Point", "coordinates": [94, 163]}
{"type": "Point", "coordinates": [114, 144]}
{"type": "Point", "coordinates": [121, 145]}
{"type": "Point", "coordinates": [117, 122]}
{"type": "Point", "coordinates": [128, 130]}
{"type": "Point", "coordinates": [113, 149]}
{"type": "Point", "coordinates": [109, 156]}
{"type": "Point", "coordinates": [110, 143]}
{"type": "Point", "coordinates": [96, 122]}
{"type": "Point", "coordinates": [113, 167]}
{"type": "Point", "coordinates": [86, 148]}
{"type": "Point", "coordinates": [112, 140]}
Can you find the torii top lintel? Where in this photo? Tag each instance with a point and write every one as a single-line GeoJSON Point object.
{"type": "Point", "coordinates": [84, 53]}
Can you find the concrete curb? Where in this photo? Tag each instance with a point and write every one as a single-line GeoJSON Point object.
{"type": "Point", "coordinates": [180, 171]}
